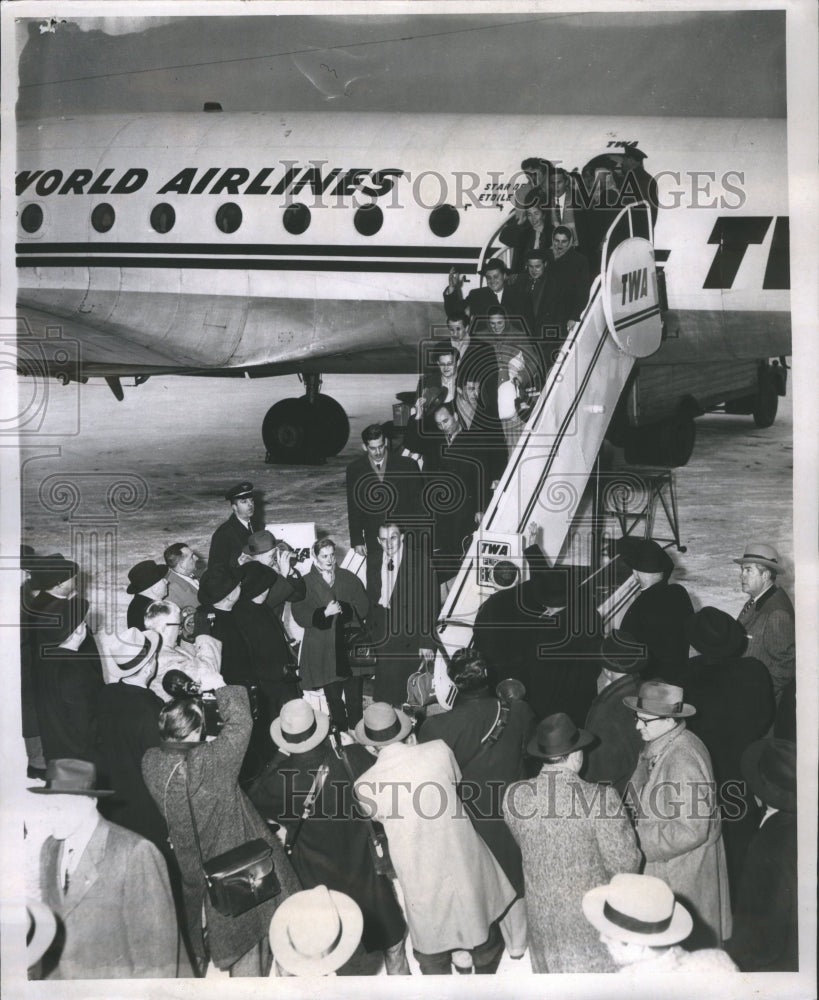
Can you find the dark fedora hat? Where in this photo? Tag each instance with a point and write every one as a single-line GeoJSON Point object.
{"type": "Point", "coordinates": [66, 776]}
{"type": "Point", "coordinates": [259, 542]}
{"type": "Point", "coordinates": [217, 583]}
{"type": "Point", "coordinates": [256, 580]}
{"type": "Point", "coordinates": [715, 634]}
{"type": "Point", "coordinates": [622, 653]}
{"type": "Point", "coordinates": [769, 767]}
{"type": "Point", "coordinates": [660, 699]}
{"type": "Point", "coordinates": [49, 571]}
{"type": "Point", "coordinates": [644, 555]}
{"type": "Point", "coordinates": [144, 575]}
{"type": "Point", "coordinates": [556, 736]}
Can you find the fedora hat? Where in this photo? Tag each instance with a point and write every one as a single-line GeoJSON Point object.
{"type": "Point", "coordinates": [216, 584]}
{"type": "Point", "coordinates": [42, 926]}
{"type": "Point", "coordinates": [381, 725]}
{"type": "Point", "coordinates": [639, 909]}
{"type": "Point", "coordinates": [49, 571]}
{"type": "Point", "coordinates": [257, 579]}
{"type": "Point", "coordinates": [714, 633]}
{"type": "Point", "coordinates": [765, 555]}
{"type": "Point", "coordinates": [556, 736]}
{"type": "Point", "coordinates": [144, 575]}
{"type": "Point", "coordinates": [549, 587]}
{"type": "Point", "coordinates": [769, 767]}
{"type": "Point", "coordinates": [66, 776]}
{"type": "Point", "coordinates": [314, 932]}
{"type": "Point", "coordinates": [644, 555]}
{"type": "Point", "coordinates": [299, 727]}
{"type": "Point", "coordinates": [129, 652]}
{"type": "Point", "coordinates": [259, 542]}
{"type": "Point", "coordinates": [660, 699]}
{"type": "Point", "coordinates": [622, 653]}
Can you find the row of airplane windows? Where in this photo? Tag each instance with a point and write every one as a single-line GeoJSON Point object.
{"type": "Point", "coordinates": [368, 219]}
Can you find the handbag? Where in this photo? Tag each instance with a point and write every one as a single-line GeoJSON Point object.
{"type": "Point", "coordinates": [238, 879]}
{"type": "Point", "coordinates": [359, 645]}
{"type": "Point", "coordinates": [376, 838]}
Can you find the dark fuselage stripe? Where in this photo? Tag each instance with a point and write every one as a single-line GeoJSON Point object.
{"type": "Point", "coordinates": [248, 249]}
{"type": "Point", "coordinates": [252, 264]}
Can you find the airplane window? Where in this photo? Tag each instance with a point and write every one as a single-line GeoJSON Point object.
{"type": "Point", "coordinates": [444, 220]}
{"type": "Point", "coordinates": [163, 218]}
{"type": "Point", "coordinates": [102, 218]}
{"type": "Point", "coordinates": [296, 218]}
{"type": "Point", "coordinates": [31, 218]}
{"type": "Point", "coordinates": [229, 217]}
{"type": "Point", "coordinates": [368, 220]}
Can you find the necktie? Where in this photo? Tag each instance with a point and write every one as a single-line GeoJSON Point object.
{"type": "Point", "coordinates": [68, 858]}
{"type": "Point", "coordinates": [748, 606]}
{"type": "Point", "coordinates": [390, 565]}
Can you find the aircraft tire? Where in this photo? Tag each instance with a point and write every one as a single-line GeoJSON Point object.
{"type": "Point", "coordinates": [285, 431]}
{"type": "Point", "coordinates": [330, 428]}
{"type": "Point", "coordinates": [766, 400]}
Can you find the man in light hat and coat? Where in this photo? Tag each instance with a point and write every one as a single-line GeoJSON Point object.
{"type": "Point", "coordinates": [571, 834]}
{"type": "Point", "coordinates": [765, 937]}
{"type": "Point", "coordinates": [108, 887]}
{"type": "Point", "coordinates": [673, 795]}
{"type": "Point", "coordinates": [767, 616]}
{"type": "Point", "coordinates": [331, 846]}
{"type": "Point", "coordinates": [658, 614]}
{"type": "Point", "coordinates": [611, 759]}
{"type": "Point", "coordinates": [642, 925]}
{"type": "Point", "coordinates": [734, 699]}
{"type": "Point", "coordinates": [232, 535]}
{"type": "Point", "coordinates": [454, 890]}
{"type": "Point", "coordinates": [148, 582]}
{"type": "Point", "coordinates": [314, 932]}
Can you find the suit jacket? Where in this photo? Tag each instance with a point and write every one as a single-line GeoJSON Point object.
{"type": "Point", "coordinates": [181, 591]}
{"type": "Point", "coordinates": [228, 541]}
{"type": "Point", "coordinates": [522, 238]}
{"type": "Point", "coordinates": [567, 849]}
{"type": "Point", "coordinates": [371, 501]}
{"type": "Point", "coordinates": [118, 915]}
{"type": "Point", "coordinates": [567, 288]}
{"type": "Point", "coordinates": [478, 302]}
{"type": "Point", "coordinates": [770, 627]}
{"type": "Point", "coordinates": [657, 617]}
{"type": "Point", "coordinates": [398, 632]}
{"type": "Point", "coordinates": [135, 617]}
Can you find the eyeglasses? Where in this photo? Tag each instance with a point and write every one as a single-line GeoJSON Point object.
{"type": "Point", "coordinates": [645, 721]}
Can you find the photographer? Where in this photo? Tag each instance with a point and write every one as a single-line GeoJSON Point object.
{"type": "Point", "coordinates": [191, 780]}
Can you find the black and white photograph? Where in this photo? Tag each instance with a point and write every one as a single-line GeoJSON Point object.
{"type": "Point", "coordinates": [410, 498]}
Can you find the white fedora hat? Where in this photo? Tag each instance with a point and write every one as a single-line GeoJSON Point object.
{"type": "Point", "coordinates": [315, 932]}
{"type": "Point", "coordinates": [639, 909]}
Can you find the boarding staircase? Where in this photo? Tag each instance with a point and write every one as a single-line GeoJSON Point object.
{"type": "Point", "coordinates": [545, 480]}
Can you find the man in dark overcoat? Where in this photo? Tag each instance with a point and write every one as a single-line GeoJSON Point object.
{"type": "Point", "coordinates": [612, 758]}
{"type": "Point", "coordinates": [331, 846]}
{"type": "Point", "coordinates": [765, 935]}
{"type": "Point", "coordinates": [734, 699]}
{"type": "Point", "coordinates": [380, 485]}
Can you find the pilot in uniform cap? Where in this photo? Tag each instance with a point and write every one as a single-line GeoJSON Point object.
{"type": "Point", "coordinates": [241, 491]}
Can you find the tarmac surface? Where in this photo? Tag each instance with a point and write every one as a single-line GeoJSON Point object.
{"type": "Point", "coordinates": [165, 456]}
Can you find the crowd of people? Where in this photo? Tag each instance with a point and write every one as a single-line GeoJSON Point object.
{"type": "Point", "coordinates": [604, 800]}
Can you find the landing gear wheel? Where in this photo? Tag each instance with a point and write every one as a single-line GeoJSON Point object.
{"type": "Point", "coordinates": [301, 431]}
{"type": "Point", "coordinates": [766, 400]}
